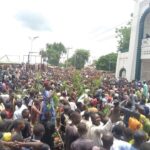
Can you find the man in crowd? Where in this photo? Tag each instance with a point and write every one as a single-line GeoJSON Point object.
{"type": "Point", "coordinates": [82, 143]}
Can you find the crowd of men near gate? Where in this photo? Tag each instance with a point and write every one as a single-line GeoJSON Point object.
{"type": "Point", "coordinates": [43, 110]}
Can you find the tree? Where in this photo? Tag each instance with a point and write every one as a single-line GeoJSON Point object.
{"type": "Point", "coordinates": [43, 55]}
{"type": "Point", "coordinates": [54, 52]}
{"type": "Point", "coordinates": [107, 62]}
{"type": "Point", "coordinates": [123, 36]}
{"type": "Point", "coordinates": [79, 58]}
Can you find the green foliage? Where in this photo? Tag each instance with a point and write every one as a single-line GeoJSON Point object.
{"type": "Point", "coordinates": [79, 58]}
{"type": "Point", "coordinates": [77, 83]}
{"type": "Point", "coordinates": [123, 36]}
{"type": "Point", "coordinates": [65, 86]}
{"type": "Point", "coordinates": [107, 62]}
{"type": "Point", "coordinates": [105, 112]}
{"type": "Point", "coordinates": [56, 100]}
{"type": "Point", "coordinates": [95, 84]}
{"type": "Point", "coordinates": [43, 55]}
{"type": "Point", "coordinates": [62, 65]}
{"type": "Point", "coordinates": [54, 52]}
{"type": "Point", "coordinates": [38, 86]}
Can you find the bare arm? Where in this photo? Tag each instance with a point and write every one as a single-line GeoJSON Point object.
{"type": "Point", "coordinates": [30, 144]}
{"type": "Point", "coordinates": [131, 111]}
{"type": "Point", "coordinates": [36, 110]}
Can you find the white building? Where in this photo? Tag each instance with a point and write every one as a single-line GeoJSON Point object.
{"type": "Point", "coordinates": [135, 64]}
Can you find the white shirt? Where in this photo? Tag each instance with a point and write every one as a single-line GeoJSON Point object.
{"type": "Point", "coordinates": [2, 107]}
{"type": "Point", "coordinates": [88, 123]}
{"type": "Point", "coordinates": [73, 106]}
{"type": "Point", "coordinates": [121, 145]}
{"type": "Point", "coordinates": [5, 97]}
{"type": "Point", "coordinates": [95, 132]}
{"type": "Point", "coordinates": [18, 112]}
{"type": "Point", "coordinates": [82, 97]}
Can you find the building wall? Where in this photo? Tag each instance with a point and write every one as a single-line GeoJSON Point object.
{"type": "Point", "coordinates": [131, 57]}
{"type": "Point", "coordinates": [145, 69]}
{"type": "Point", "coordinates": [133, 43]}
{"type": "Point", "coordinates": [122, 62]}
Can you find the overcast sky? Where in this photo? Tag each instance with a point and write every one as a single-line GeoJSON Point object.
{"type": "Point", "coordinates": [87, 24]}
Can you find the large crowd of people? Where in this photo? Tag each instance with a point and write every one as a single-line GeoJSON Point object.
{"type": "Point", "coordinates": [66, 109]}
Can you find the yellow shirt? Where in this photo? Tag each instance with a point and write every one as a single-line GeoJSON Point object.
{"type": "Point", "coordinates": [134, 124]}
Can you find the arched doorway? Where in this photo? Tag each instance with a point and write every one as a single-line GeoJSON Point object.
{"type": "Point", "coordinates": [140, 37]}
{"type": "Point", "coordinates": [122, 73]}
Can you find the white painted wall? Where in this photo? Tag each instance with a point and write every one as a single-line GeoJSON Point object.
{"type": "Point", "coordinates": [122, 62]}
{"type": "Point", "coordinates": [130, 62]}
{"type": "Point", "coordinates": [133, 43]}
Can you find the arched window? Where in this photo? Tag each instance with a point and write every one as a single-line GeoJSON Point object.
{"type": "Point", "coordinates": [122, 73]}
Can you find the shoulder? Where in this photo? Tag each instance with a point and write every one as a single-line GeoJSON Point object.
{"type": "Point", "coordinates": [68, 128]}
{"type": "Point", "coordinates": [71, 130]}
{"type": "Point", "coordinates": [97, 148]}
{"type": "Point", "coordinates": [122, 145]}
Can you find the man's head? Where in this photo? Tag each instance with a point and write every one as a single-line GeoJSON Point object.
{"type": "Point", "coordinates": [44, 147]}
{"type": "Point", "coordinates": [129, 104]}
{"type": "Point", "coordinates": [38, 130]}
{"type": "Point", "coordinates": [82, 129]}
{"type": "Point", "coordinates": [118, 131]}
{"type": "Point", "coordinates": [70, 99]}
{"type": "Point", "coordinates": [116, 103]}
{"type": "Point", "coordinates": [140, 109]}
{"type": "Point", "coordinates": [66, 109]}
{"type": "Point", "coordinates": [139, 137]}
{"type": "Point", "coordinates": [86, 115]}
{"type": "Point", "coordinates": [8, 105]}
{"type": "Point", "coordinates": [36, 102]}
{"type": "Point", "coordinates": [79, 106]}
{"type": "Point", "coordinates": [145, 146]}
{"type": "Point", "coordinates": [25, 113]}
{"type": "Point", "coordinates": [95, 119]}
{"type": "Point", "coordinates": [19, 103]}
{"type": "Point", "coordinates": [75, 117]}
{"type": "Point", "coordinates": [19, 124]}
{"type": "Point", "coordinates": [107, 139]}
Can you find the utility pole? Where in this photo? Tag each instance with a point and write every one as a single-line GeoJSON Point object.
{"type": "Point", "coordinates": [32, 39]}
